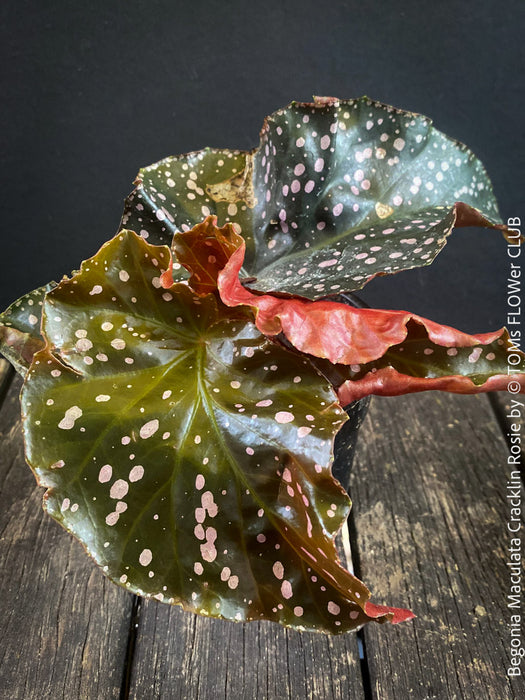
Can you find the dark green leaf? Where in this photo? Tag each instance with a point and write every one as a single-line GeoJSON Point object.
{"type": "Point", "coordinates": [171, 195]}
{"type": "Point", "coordinates": [336, 193]}
{"type": "Point", "coordinates": [20, 335]}
{"type": "Point", "coordinates": [188, 454]}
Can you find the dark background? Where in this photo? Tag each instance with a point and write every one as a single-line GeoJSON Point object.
{"type": "Point", "coordinates": [92, 91]}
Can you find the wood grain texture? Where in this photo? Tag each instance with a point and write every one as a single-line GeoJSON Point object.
{"type": "Point", "coordinates": [430, 508]}
{"type": "Point", "coordinates": [180, 655]}
{"type": "Point", "coordinates": [64, 627]}
{"type": "Point", "coordinates": [5, 378]}
{"type": "Point", "coordinates": [430, 528]}
{"type": "Point", "coordinates": [503, 401]}
{"type": "Point", "coordinates": [509, 410]}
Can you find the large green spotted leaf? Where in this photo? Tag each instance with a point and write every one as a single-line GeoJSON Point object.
{"type": "Point", "coordinates": [188, 454]}
{"type": "Point", "coordinates": [20, 335]}
{"type": "Point", "coordinates": [336, 193]}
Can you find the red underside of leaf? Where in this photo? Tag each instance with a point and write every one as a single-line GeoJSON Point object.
{"type": "Point", "coordinates": [389, 382]}
{"type": "Point", "coordinates": [166, 278]}
{"type": "Point", "coordinates": [204, 250]}
{"type": "Point", "coordinates": [326, 329]}
{"type": "Point", "coordinates": [469, 216]}
{"type": "Point", "coordinates": [398, 614]}
{"type": "Point", "coordinates": [354, 337]}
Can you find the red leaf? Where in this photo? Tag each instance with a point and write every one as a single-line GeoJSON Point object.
{"type": "Point", "coordinates": [348, 336]}
{"type": "Point", "coordinates": [337, 332]}
{"type": "Point", "coordinates": [399, 614]}
{"type": "Point", "coordinates": [389, 382]}
{"type": "Point", "coordinates": [203, 250]}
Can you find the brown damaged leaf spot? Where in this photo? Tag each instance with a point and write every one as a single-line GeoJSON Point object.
{"type": "Point", "coordinates": [326, 101]}
{"type": "Point", "coordinates": [20, 336]}
{"type": "Point", "coordinates": [237, 188]}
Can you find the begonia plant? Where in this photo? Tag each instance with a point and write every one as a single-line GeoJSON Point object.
{"type": "Point", "coordinates": [183, 390]}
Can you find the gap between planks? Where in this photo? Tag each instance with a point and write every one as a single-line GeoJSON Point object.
{"type": "Point", "coordinates": [270, 677]}
{"type": "Point", "coordinates": [430, 510]}
{"type": "Point", "coordinates": [64, 626]}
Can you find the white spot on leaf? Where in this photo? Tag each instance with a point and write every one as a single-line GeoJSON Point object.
{"type": "Point", "coordinates": [105, 473]}
{"type": "Point", "coordinates": [119, 489]}
{"type": "Point", "coordinates": [333, 608]}
{"type": "Point", "coordinates": [284, 417]}
{"type": "Point", "coordinates": [71, 415]}
{"type": "Point", "coordinates": [278, 570]}
{"type": "Point", "coordinates": [286, 589]}
{"type": "Point", "coordinates": [149, 429]}
{"type": "Point", "coordinates": [136, 473]}
{"type": "Point", "coordinates": [145, 557]}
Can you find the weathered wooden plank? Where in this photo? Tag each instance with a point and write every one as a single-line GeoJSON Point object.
{"type": "Point", "coordinates": [429, 489]}
{"type": "Point", "coordinates": [64, 627]}
{"type": "Point", "coordinates": [181, 655]}
{"type": "Point", "coordinates": [509, 406]}
{"type": "Point", "coordinates": [5, 377]}
{"type": "Point", "coordinates": [509, 410]}
{"type": "Point", "coordinates": [4, 367]}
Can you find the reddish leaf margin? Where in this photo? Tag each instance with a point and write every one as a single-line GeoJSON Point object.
{"type": "Point", "coordinates": [349, 336]}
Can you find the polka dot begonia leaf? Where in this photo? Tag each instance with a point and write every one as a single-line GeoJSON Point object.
{"type": "Point", "coordinates": [180, 403]}
{"type": "Point", "coordinates": [373, 351]}
{"type": "Point", "coordinates": [20, 334]}
{"type": "Point", "coordinates": [337, 192]}
{"type": "Point", "coordinates": [419, 364]}
{"type": "Point", "coordinates": [189, 454]}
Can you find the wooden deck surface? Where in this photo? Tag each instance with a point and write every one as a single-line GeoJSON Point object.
{"type": "Point", "coordinates": [428, 531]}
